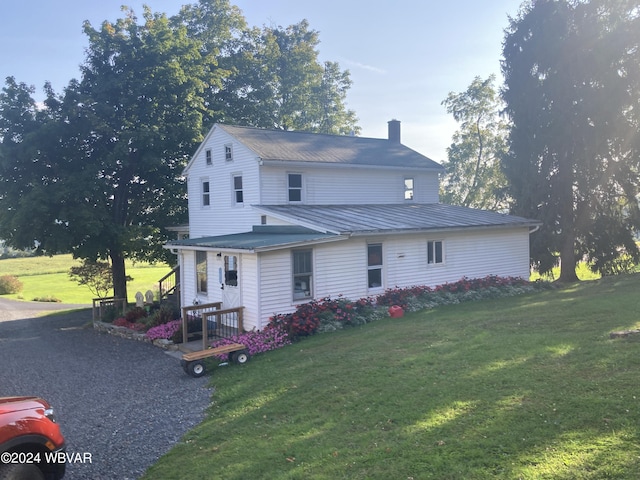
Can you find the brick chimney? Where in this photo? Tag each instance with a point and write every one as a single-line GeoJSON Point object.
{"type": "Point", "coordinates": [394, 131]}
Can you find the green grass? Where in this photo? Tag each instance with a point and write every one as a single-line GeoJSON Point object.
{"type": "Point", "coordinates": [528, 387]}
{"type": "Point", "coordinates": [45, 277]}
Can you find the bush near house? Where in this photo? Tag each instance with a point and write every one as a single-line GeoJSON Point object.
{"type": "Point", "coordinates": [332, 314]}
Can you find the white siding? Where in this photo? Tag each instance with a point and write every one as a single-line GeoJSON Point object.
{"type": "Point", "coordinates": [223, 216]}
{"type": "Point", "coordinates": [340, 268]}
{"type": "Point", "coordinates": [331, 186]}
{"type": "Point", "coordinates": [275, 284]}
{"type": "Point", "coordinates": [249, 277]}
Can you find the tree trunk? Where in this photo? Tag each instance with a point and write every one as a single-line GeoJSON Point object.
{"type": "Point", "coordinates": [119, 274]}
{"type": "Point", "coordinates": [568, 260]}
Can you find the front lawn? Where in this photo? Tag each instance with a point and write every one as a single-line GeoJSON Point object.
{"type": "Point", "coordinates": [525, 387]}
{"type": "Point", "coordinates": [48, 277]}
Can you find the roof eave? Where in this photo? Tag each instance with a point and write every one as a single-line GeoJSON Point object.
{"type": "Point", "coordinates": [306, 164]}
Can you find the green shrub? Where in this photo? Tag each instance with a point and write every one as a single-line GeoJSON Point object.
{"type": "Point", "coordinates": [9, 284]}
{"type": "Point", "coordinates": [49, 299]}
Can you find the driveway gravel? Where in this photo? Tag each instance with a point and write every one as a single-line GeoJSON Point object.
{"type": "Point", "coordinates": [123, 402]}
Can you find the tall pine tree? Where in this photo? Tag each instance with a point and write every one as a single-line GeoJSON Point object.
{"type": "Point", "coordinates": [572, 95]}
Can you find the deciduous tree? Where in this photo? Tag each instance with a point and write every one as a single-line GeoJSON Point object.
{"type": "Point", "coordinates": [474, 176]}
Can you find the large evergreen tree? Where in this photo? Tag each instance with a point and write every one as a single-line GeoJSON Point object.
{"type": "Point", "coordinates": [571, 89]}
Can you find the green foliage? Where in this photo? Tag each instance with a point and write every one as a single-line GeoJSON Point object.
{"type": "Point", "coordinates": [473, 176]}
{"type": "Point", "coordinates": [95, 275]}
{"type": "Point", "coordinates": [9, 284]}
{"type": "Point", "coordinates": [525, 387]}
{"type": "Point", "coordinates": [571, 87]}
{"type": "Point", "coordinates": [99, 167]}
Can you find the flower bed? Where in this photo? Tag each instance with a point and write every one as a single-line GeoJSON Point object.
{"type": "Point", "coordinates": [332, 314]}
{"type": "Point", "coordinates": [256, 341]}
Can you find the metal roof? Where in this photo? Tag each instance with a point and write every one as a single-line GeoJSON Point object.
{"type": "Point", "coordinates": [262, 238]}
{"type": "Point", "coordinates": [366, 219]}
{"type": "Point", "coordinates": [288, 146]}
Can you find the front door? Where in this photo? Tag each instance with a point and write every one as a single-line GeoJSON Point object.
{"type": "Point", "coordinates": [231, 282]}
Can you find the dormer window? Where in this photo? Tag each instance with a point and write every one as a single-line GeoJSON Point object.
{"type": "Point", "coordinates": [228, 152]}
{"type": "Point", "coordinates": [408, 188]}
{"type": "Point", "coordinates": [295, 187]}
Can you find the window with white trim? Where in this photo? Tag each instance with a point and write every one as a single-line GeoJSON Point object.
{"type": "Point", "coordinates": [408, 188]}
{"type": "Point", "coordinates": [201, 271]}
{"type": "Point", "coordinates": [294, 182]}
{"type": "Point", "coordinates": [238, 195]}
{"type": "Point", "coordinates": [206, 193]}
{"type": "Point", "coordinates": [374, 265]}
{"type": "Point", "coordinates": [228, 152]}
{"type": "Point", "coordinates": [302, 274]}
{"type": "Point", "coordinates": [434, 252]}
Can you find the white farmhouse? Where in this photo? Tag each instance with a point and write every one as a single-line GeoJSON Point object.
{"type": "Point", "coordinates": [278, 218]}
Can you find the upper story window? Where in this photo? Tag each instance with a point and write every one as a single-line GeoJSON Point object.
{"type": "Point", "coordinates": [374, 265]}
{"type": "Point", "coordinates": [228, 152]}
{"type": "Point", "coordinates": [206, 193]}
{"type": "Point", "coordinates": [201, 271]}
{"type": "Point", "coordinates": [207, 156]}
{"type": "Point", "coordinates": [408, 188]}
{"type": "Point", "coordinates": [295, 187]}
{"type": "Point", "coordinates": [238, 195]}
{"type": "Point", "coordinates": [434, 252]}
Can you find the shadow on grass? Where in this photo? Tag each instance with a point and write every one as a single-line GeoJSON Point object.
{"type": "Point", "coordinates": [528, 387]}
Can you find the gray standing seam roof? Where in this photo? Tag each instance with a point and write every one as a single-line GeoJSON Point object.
{"type": "Point", "coordinates": [359, 219]}
{"type": "Point", "coordinates": [280, 145]}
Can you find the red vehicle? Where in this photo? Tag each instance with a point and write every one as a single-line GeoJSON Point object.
{"type": "Point", "coordinates": [31, 444]}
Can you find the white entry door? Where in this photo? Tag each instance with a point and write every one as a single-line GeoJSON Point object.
{"type": "Point", "coordinates": [231, 282]}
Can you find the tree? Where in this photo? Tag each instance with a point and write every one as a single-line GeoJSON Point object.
{"type": "Point", "coordinates": [95, 275]}
{"type": "Point", "coordinates": [474, 176]}
{"type": "Point", "coordinates": [101, 170]}
{"type": "Point", "coordinates": [572, 94]}
{"type": "Point", "coordinates": [278, 82]}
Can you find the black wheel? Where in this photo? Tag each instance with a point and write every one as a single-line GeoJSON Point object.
{"type": "Point", "coordinates": [183, 364]}
{"type": "Point", "coordinates": [196, 368]}
{"type": "Point", "coordinates": [240, 357]}
{"type": "Point", "coordinates": [20, 471]}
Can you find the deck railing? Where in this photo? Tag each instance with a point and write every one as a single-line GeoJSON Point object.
{"type": "Point", "coordinates": [101, 305]}
{"type": "Point", "coordinates": [211, 322]}
{"type": "Point", "coordinates": [169, 285]}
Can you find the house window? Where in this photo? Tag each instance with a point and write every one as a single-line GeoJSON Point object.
{"type": "Point", "coordinates": [207, 155]}
{"type": "Point", "coordinates": [295, 187]}
{"type": "Point", "coordinates": [302, 274]}
{"type": "Point", "coordinates": [231, 270]}
{"type": "Point", "coordinates": [238, 196]}
{"type": "Point", "coordinates": [206, 193]}
{"type": "Point", "coordinates": [374, 265]}
{"type": "Point", "coordinates": [408, 188]}
{"type": "Point", "coordinates": [228, 152]}
{"type": "Point", "coordinates": [434, 252]}
{"type": "Point", "coordinates": [201, 271]}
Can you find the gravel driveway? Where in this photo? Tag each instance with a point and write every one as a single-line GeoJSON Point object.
{"type": "Point", "coordinates": [124, 402]}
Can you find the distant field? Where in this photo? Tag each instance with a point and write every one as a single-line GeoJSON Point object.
{"type": "Point", "coordinates": [45, 277]}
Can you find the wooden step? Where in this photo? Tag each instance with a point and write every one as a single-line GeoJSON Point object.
{"type": "Point", "coordinates": [210, 352]}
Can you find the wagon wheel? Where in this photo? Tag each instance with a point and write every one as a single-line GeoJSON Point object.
{"type": "Point", "coordinates": [240, 357]}
{"type": "Point", "coordinates": [196, 368]}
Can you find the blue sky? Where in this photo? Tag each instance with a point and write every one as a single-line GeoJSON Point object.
{"type": "Point", "coordinates": [404, 56]}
